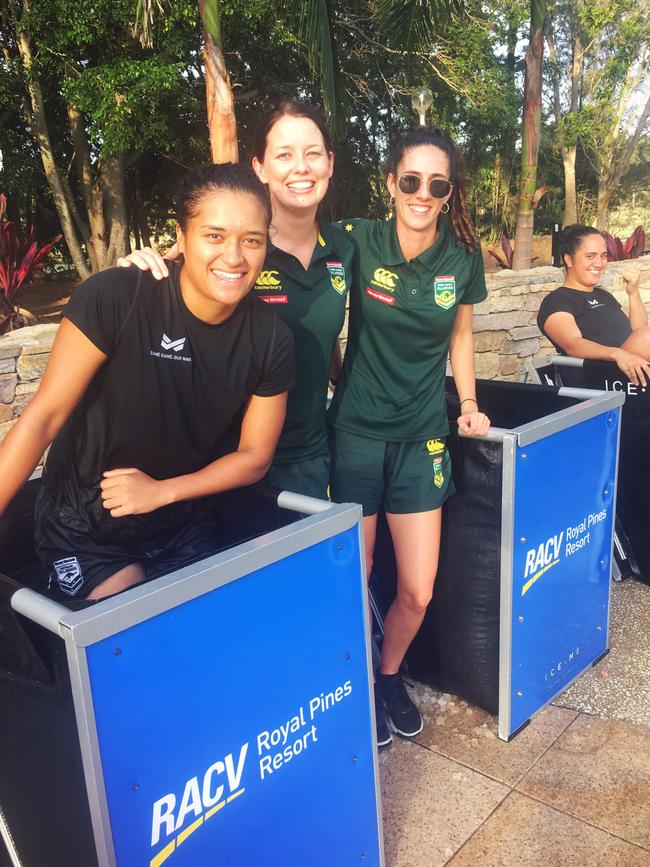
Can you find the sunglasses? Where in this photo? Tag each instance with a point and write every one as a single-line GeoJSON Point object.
{"type": "Point", "coordinates": [438, 187]}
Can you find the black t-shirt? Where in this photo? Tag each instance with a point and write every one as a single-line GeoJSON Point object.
{"type": "Point", "coordinates": [170, 388]}
{"type": "Point", "coordinates": [598, 315]}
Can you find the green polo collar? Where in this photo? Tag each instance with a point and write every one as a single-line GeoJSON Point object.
{"type": "Point", "coordinates": [324, 245]}
{"type": "Point", "coordinates": [392, 252]}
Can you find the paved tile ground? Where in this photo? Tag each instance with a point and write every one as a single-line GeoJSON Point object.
{"type": "Point", "coordinates": [618, 687]}
{"type": "Point", "coordinates": [573, 788]}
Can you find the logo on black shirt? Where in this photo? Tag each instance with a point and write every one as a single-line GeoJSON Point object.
{"type": "Point", "coordinates": [595, 303]}
{"type": "Point", "coordinates": [172, 348]}
{"type": "Point", "coordinates": [174, 345]}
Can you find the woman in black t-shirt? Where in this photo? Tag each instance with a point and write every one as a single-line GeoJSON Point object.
{"type": "Point", "coordinates": [585, 321]}
{"type": "Point", "coordinates": [143, 379]}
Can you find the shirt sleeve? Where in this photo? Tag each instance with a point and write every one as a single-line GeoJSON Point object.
{"type": "Point", "coordinates": [555, 302]}
{"type": "Point", "coordinates": [476, 290]}
{"type": "Point", "coordinates": [100, 306]}
{"type": "Point", "coordinates": [279, 372]}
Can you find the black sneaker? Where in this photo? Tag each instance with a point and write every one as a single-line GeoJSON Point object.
{"type": "Point", "coordinates": [403, 716]}
{"type": "Point", "coordinates": [384, 737]}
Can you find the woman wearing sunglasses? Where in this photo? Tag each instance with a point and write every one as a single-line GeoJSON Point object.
{"type": "Point", "coordinates": [419, 275]}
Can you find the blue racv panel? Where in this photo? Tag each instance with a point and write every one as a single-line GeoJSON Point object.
{"type": "Point", "coordinates": [236, 730]}
{"type": "Point", "coordinates": [564, 514]}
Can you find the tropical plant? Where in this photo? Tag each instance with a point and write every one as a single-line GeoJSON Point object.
{"type": "Point", "coordinates": [508, 252]}
{"type": "Point", "coordinates": [19, 256]}
{"type": "Point", "coordinates": [618, 250]}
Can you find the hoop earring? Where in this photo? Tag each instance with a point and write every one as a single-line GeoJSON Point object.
{"type": "Point", "coordinates": [392, 201]}
{"type": "Point", "coordinates": [445, 208]}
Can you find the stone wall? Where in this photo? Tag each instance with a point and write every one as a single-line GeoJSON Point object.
{"type": "Point", "coordinates": [506, 333]}
{"type": "Point", "coordinates": [23, 356]}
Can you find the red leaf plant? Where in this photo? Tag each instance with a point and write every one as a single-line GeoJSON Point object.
{"type": "Point", "coordinates": [19, 256]}
{"type": "Point", "coordinates": [507, 251]}
{"type": "Point", "coordinates": [617, 250]}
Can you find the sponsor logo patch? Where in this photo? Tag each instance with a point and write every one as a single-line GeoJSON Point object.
{"type": "Point", "coordinates": [384, 279]}
{"type": "Point", "coordinates": [337, 276]}
{"type": "Point", "coordinates": [68, 575]}
{"type": "Point", "coordinates": [274, 299]}
{"type": "Point", "coordinates": [379, 296]}
{"type": "Point", "coordinates": [435, 447]}
{"type": "Point", "coordinates": [268, 280]}
{"type": "Point", "coordinates": [438, 478]}
{"type": "Point", "coordinates": [444, 291]}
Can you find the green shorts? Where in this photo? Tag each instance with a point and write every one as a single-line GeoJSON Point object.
{"type": "Point", "coordinates": [310, 477]}
{"type": "Point", "coordinates": [401, 477]}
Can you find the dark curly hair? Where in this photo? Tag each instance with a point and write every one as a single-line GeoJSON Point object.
{"type": "Point", "coordinates": [459, 216]}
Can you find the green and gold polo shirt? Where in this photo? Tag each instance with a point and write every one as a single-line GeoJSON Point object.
{"type": "Point", "coordinates": [392, 385]}
{"type": "Point", "coordinates": [312, 303]}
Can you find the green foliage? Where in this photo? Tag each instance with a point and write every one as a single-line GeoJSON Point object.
{"type": "Point", "coordinates": [125, 102]}
{"type": "Point", "coordinates": [359, 61]}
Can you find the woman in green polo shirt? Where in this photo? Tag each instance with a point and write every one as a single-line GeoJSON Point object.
{"type": "Point", "coordinates": [306, 277]}
{"type": "Point", "coordinates": [418, 277]}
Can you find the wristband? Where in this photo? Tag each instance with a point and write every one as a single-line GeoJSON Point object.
{"type": "Point", "coordinates": [473, 399]}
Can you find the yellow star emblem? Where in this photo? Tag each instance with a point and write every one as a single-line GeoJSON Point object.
{"type": "Point", "coordinates": [349, 227]}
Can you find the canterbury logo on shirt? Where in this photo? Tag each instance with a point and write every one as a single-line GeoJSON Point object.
{"type": "Point", "coordinates": [384, 279]}
{"type": "Point", "coordinates": [268, 280]}
{"type": "Point", "coordinates": [595, 303]}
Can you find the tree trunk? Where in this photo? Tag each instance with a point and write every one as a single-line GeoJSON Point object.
{"type": "Point", "coordinates": [570, 194]}
{"type": "Point", "coordinates": [139, 213]}
{"type": "Point", "coordinates": [112, 182]}
{"type": "Point", "coordinates": [605, 193]}
{"type": "Point", "coordinates": [222, 123]}
{"type": "Point", "coordinates": [530, 136]}
{"type": "Point", "coordinates": [92, 193]}
{"type": "Point", "coordinates": [42, 136]}
{"type": "Point", "coordinates": [610, 172]}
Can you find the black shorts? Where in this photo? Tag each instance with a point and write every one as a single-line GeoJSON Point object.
{"type": "Point", "coordinates": [77, 562]}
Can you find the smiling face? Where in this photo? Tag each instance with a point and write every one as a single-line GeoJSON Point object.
{"type": "Point", "coordinates": [587, 264]}
{"type": "Point", "coordinates": [418, 211]}
{"type": "Point", "coordinates": [224, 245]}
{"type": "Point", "coordinates": [297, 165]}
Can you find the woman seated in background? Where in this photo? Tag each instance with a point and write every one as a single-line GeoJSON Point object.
{"type": "Point", "coordinates": [585, 321]}
{"type": "Point", "coordinates": [144, 378]}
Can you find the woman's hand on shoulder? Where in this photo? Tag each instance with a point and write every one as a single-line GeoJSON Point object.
{"type": "Point", "coordinates": [474, 424]}
{"type": "Point", "coordinates": [635, 367]}
{"type": "Point", "coordinates": [148, 259]}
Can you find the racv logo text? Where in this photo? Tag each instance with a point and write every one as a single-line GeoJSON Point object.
{"type": "Point", "coordinates": [208, 794]}
{"type": "Point", "coordinates": [560, 545]}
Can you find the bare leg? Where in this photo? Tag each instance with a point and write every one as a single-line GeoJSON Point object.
{"type": "Point", "coordinates": [416, 539]}
{"type": "Point", "coordinates": [369, 534]}
{"type": "Point", "coordinates": [639, 342]}
{"type": "Point", "coordinates": [122, 580]}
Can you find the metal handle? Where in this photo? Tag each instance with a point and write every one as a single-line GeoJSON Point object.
{"type": "Point", "coordinates": [46, 612]}
{"type": "Point", "coordinates": [302, 503]}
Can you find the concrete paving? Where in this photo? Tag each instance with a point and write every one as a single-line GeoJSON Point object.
{"type": "Point", "coordinates": [572, 788]}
